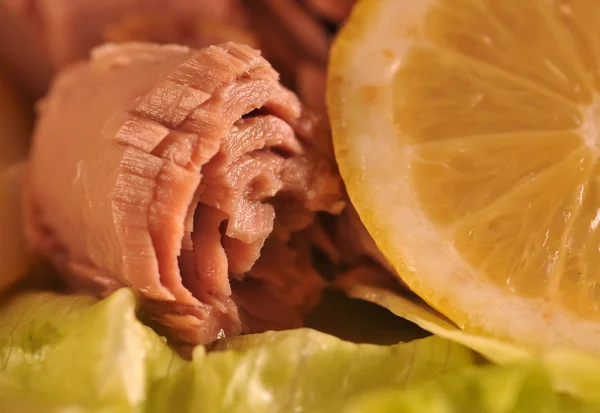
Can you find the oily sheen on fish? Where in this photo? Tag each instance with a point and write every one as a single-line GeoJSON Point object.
{"type": "Point", "coordinates": [188, 175]}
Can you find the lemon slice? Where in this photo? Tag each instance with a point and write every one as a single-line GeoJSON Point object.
{"type": "Point", "coordinates": [468, 135]}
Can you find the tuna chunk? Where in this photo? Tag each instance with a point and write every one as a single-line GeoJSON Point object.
{"type": "Point", "coordinates": [295, 36]}
{"type": "Point", "coordinates": [345, 247]}
{"type": "Point", "coordinates": [187, 175]}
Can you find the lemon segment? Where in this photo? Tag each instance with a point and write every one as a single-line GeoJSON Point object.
{"type": "Point", "coordinates": [522, 38]}
{"type": "Point", "coordinates": [581, 19]}
{"type": "Point", "coordinates": [516, 241]}
{"type": "Point", "coordinates": [439, 94]}
{"type": "Point", "coordinates": [580, 258]}
{"type": "Point", "coordinates": [459, 177]}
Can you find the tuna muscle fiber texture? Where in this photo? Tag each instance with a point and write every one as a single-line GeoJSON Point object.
{"type": "Point", "coordinates": [188, 175]}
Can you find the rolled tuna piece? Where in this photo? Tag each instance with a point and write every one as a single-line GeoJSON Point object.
{"type": "Point", "coordinates": [188, 175]}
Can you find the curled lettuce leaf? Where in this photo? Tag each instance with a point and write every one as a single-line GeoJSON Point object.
{"type": "Point", "coordinates": [74, 354]}
{"type": "Point", "coordinates": [69, 353]}
{"type": "Point", "coordinates": [517, 388]}
{"type": "Point", "coordinates": [306, 371]}
{"type": "Point", "coordinates": [300, 370]}
{"type": "Point", "coordinates": [570, 371]}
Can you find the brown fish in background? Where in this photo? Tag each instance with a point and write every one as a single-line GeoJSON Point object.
{"type": "Point", "coordinates": [188, 175]}
{"type": "Point", "coordinates": [60, 32]}
{"type": "Point", "coordinates": [171, 28]}
{"type": "Point", "coordinates": [334, 11]}
{"type": "Point", "coordinates": [294, 35]}
{"type": "Point", "coordinates": [22, 57]}
{"type": "Point", "coordinates": [69, 29]}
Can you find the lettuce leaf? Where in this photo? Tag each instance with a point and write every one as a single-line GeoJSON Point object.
{"type": "Point", "coordinates": [300, 370]}
{"type": "Point", "coordinates": [74, 354]}
{"type": "Point", "coordinates": [61, 353]}
{"type": "Point", "coordinates": [518, 388]}
{"type": "Point", "coordinates": [311, 372]}
{"type": "Point", "coordinates": [572, 372]}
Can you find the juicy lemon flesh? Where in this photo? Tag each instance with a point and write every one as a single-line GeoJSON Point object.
{"type": "Point", "coordinates": [495, 109]}
{"type": "Point", "coordinates": [492, 100]}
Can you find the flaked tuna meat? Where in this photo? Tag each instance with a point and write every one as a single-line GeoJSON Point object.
{"type": "Point", "coordinates": [191, 176]}
{"type": "Point", "coordinates": [311, 83]}
{"type": "Point", "coordinates": [355, 241]}
{"type": "Point", "coordinates": [345, 248]}
{"type": "Point", "coordinates": [289, 35]}
{"type": "Point", "coordinates": [295, 36]}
